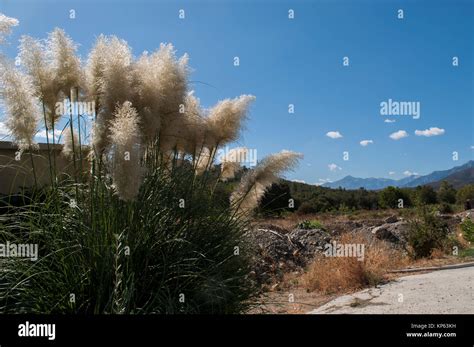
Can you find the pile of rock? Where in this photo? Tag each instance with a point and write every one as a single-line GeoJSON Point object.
{"type": "Point", "coordinates": [392, 230]}
{"type": "Point", "coordinates": [276, 252]}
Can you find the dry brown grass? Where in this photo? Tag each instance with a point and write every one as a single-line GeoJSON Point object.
{"type": "Point", "coordinates": [437, 253]}
{"type": "Point", "coordinates": [340, 274]}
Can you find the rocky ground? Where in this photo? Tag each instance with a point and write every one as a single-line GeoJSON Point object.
{"type": "Point", "coordinates": [282, 250]}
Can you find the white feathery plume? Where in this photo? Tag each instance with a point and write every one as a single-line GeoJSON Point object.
{"type": "Point", "coordinates": [231, 162]}
{"type": "Point", "coordinates": [116, 85]}
{"type": "Point", "coordinates": [254, 183]}
{"type": "Point", "coordinates": [71, 144]}
{"type": "Point", "coordinates": [6, 24]}
{"type": "Point", "coordinates": [126, 152]}
{"type": "Point", "coordinates": [226, 119]}
{"type": "Point", "coordinates": [160, 80]}
{"type": "Point", "coordinates": [66, 66]}
{"type": "Point", "coordinates": [95, 67]}
{"type": "Point", "coordinates": [33, 56]}
{"type": "Point", "coordinates": [189, 128]}
{"type": "Point", "coordinates": [21, 105]}
{"type": "Point", "coordinates": [109, 72]}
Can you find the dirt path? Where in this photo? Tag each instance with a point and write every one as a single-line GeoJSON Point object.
{"type": "Point", "coordinates": [438, 292]}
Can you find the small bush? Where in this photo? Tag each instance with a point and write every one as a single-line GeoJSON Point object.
{"type": "Point", "coordinates": [465, 194]}
{"type": "Point", "coordinates": [467, 228]}
{"type": "Point", "coordinates": [425, 195]}
{"type": "Point", "coordinates": [310, 224]}
{"type": "Point", "coordinates": [427, 232]}
{"type": "Point", "coordinates": [445, 208]}
{"type": "Point", "coordinates": [390, 197]}
{"type": "Point", "coordinates": [447, 193]}
{"type": "Point", "coordinates": [276, 201]}
{"type": "Point", "coordinates": [340, 274]}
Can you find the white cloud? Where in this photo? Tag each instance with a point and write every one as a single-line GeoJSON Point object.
{"type": "Point", "coordinates": [472, 147]}
{"type": "Point", "coordinates": [365, 143]}
{"type": "Point", "coordinates": [334, 167]}
{"type": "Point", "coordinates": [389, 121]}
{"type": "Point", "coordinates": [400, 134]}
{"type": "Point", "coordinates": [433, 131]}
{"type": "Point", "coordinates": [334, 134]}
{"type": "Point", "coordinates": [391, 173]}
{"type": "Point", "coordinates": [322, 181]}
{"type": "Point", "coordinates": [42, 134]}
{"type": "Point", "coordinates": [409, 173]}
{"type": "Point", "coordinates": [298, 181]}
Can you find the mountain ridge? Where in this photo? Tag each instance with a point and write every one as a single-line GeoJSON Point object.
{"type": "Point", "coordinates": [372, 183]}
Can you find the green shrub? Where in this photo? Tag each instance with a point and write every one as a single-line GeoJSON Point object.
{"type": "Point", "coordinates": [276, 200]}
{"type": "Point", "coordinates": [445, 208]}
{"type": "Point", "coordinates": [447, 193]}
{"type": "Point", "coordinates": [310, 224]}
{"type": "Point", "coordinates": [467, 228]}
{"type": "Point", "coordinates": [427, 232]}
{"type": "Point", "coordinates": [425, 195]}
{"type": "Point", "coordinates": [465, 193]}
{"type": "Point", "coordinates": [390, 197]}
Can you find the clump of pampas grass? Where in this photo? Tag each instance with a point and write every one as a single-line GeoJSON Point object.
{"type": "Point", "coordinates": [254, 183]}
{"type": "Point", "coordinates": [140, 125]}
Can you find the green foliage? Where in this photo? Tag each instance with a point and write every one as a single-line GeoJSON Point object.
{"type": "Point", "coordinates": [391, 196]}
{"type": "Point", "coordinates": [447, 193]}
{"type": "Point", "coordinates": [427, 232]}
{"type": "Point", "coordinates": [310, 224]}
{"type": "Point", "coordinates": [468, 252]}
{"type": "Point", "coordinates": [314, 199]}
{"type": "Point", "coordinates": [139, 257]}
{"type": "Point", "coordinates": [445, 208]}
{"type": "Point", "coordinates": [321, 199]}
{"type": "Point", "coordinates": [467, 228]}
{"type": "Point", "coordinates": [465, 193]}
{"type": "Point", "coordinates": [276, 200]}
{"type": "Point", "coordinates": [425, 195]}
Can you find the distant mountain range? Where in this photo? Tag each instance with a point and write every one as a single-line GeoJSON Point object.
{"type": "Point", "coordinates": [458, 176]}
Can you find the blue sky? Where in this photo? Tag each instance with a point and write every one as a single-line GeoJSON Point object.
{"type": "Point", "coordinates": [300, 61]}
